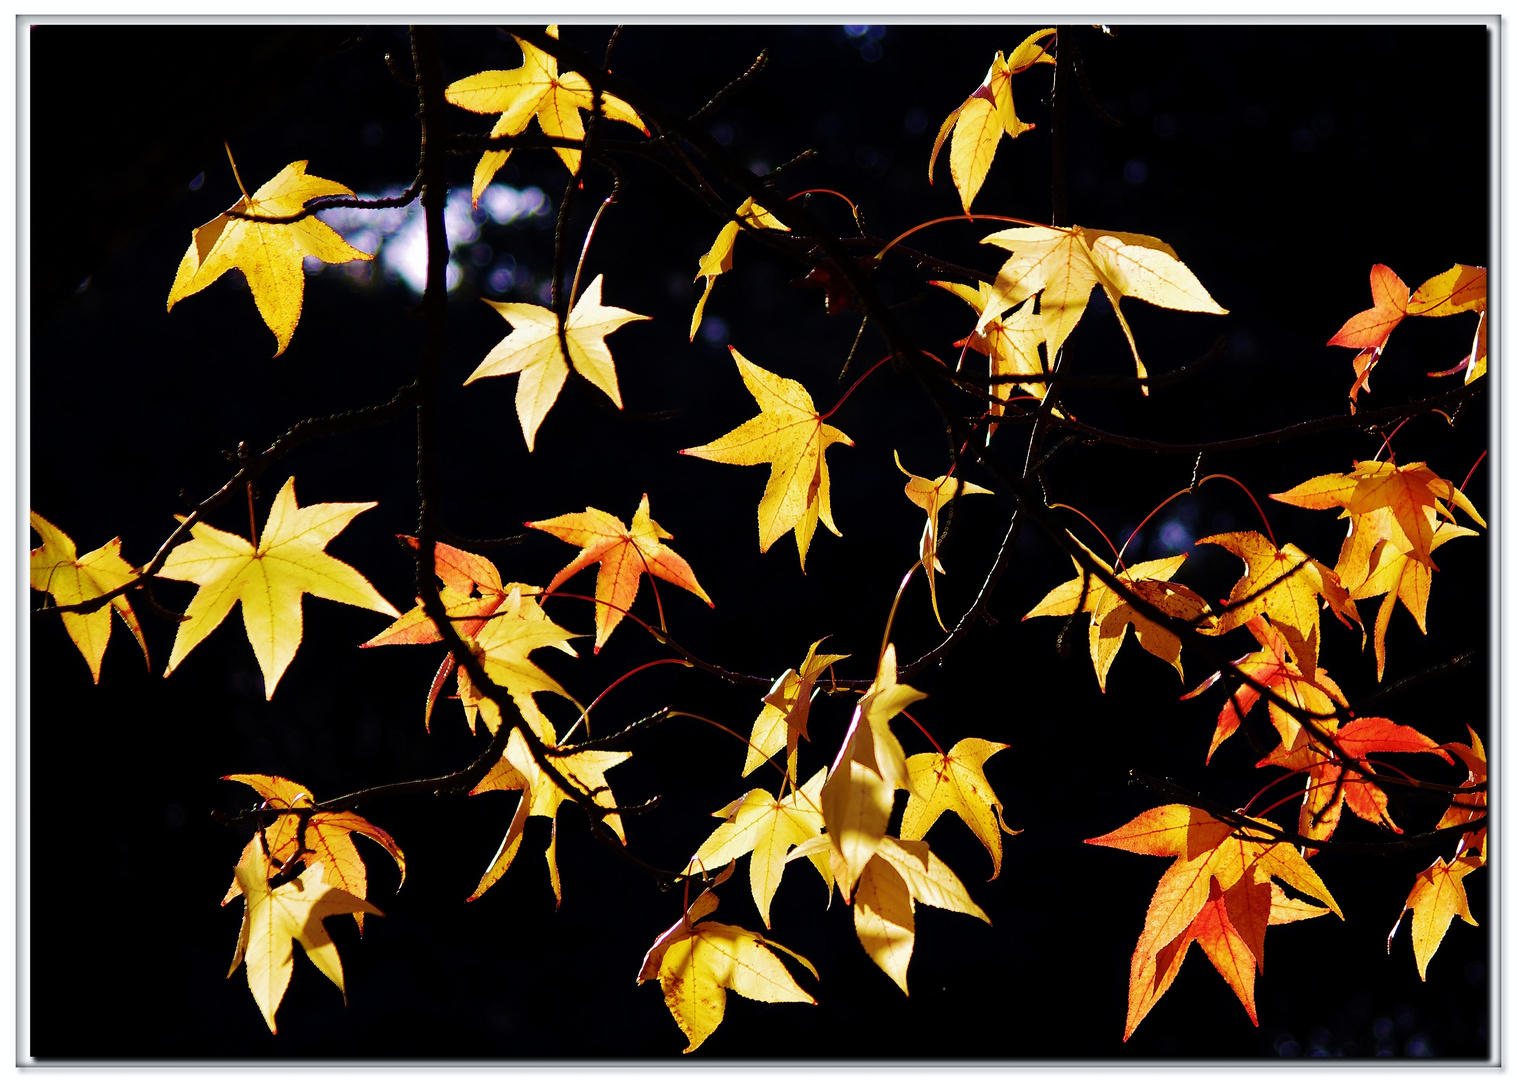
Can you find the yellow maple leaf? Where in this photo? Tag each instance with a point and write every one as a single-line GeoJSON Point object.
{"type": "Point", "coordinates": [624, 554]}
{"type": "Point", "coordinates": [274, 919]}
{"type": "Point", "coordinates": [1393, 572]}
{"type": "Point", "coordinates": [1110, 614]}
{"type": "Point", "coordinates": [1009, 343]}
{"type": "Point", "coordinates": [718, 260]}
{"type": "Point", "coordinates": [697, 962]}
{"type": "Point", "coordinates": [324, 837]}
{"type": "Point", "coordinates": [532, 349]}
{"type": "Point", "coordinates": [1285, 584]}
{"type": "Point", "coordinates": [782, 721]}
{"type": "Point", "coordinates": [269, 579]}
{"type": "Point", "coordinates": [932, 496]}
{"type": "Point", "coordinates": [956, 781]}
{"type": "Point", "coordinates": [534, 89]}
{"type": "Point", "coordinates": [57, 569]}
{"type": "Point", "coordinates": [901, 873]}
{"type": "Point", "coordinates": [793, 438]}
{"type": "Point", "coordinates": [1063, 266]}
{"type": "Point", "coordinates": [516, 628]}
{"type": "Point", "coordinates": [989, 112]}
{"type": "Point", "coordinates": [517, 770]}
{"type": "Point", "coordinates": [271, 257]}
{"type": "Point", "coordinates": [768, 827]}
{"type": "Point", "coordinates": [1436, 897]}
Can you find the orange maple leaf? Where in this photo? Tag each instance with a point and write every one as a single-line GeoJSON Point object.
{"type": "Point", "coordinates": [624, 554]}
{"type": "Point", "coordinates": [1218, 891]}
{"type": "Point", "coordinates": [1110, 614]}
{"type": "Point", "coordinates": [790, 436]}
{"type": "Point", "coordinates": [1272, 667]}
{"type": "Point", "coordinates": [989, 112]}
{"type": "Point", "coordinates": [1436, 897]}
{"type": "Point", "coordinates": [1470, 807]}
{"type": "Point", "coordinates": [324, 837]}
{"type": "Point", "coordinates": [1334, 781]}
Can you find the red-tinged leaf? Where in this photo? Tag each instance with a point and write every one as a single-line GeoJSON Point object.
{"type": "Point", "coordinates": [1370, 328]}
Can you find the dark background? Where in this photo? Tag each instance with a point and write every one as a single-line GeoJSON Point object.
{"type": "Point", "coordinates": [1281, 163]}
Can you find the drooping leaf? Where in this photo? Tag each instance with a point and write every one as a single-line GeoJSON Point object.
{"type": "Point", "coordinates": [782, 721]}
{"type": "Point", "coordinates": [979, 123]}
{"type": "Point", "coordinates": [932, 496]}
{"type": "Point", "coordinates": [517, 628]}
{"type": "Point", "coordinates": [696, 962]}
{"type": "Point", "coordinates": [1110, 614]}
{"type": "Point", "coordinates": [870, 766]}
{"type": "Point", "coordinates": [718, 260]}
{"type": "Point", "coordinates": [532, 350]}
{"type": "Point", "coordinates": [325, 838]}
{"type": "Point", "coordinates": [269, 579]}
{"type": "Point", "coordinates": [517, 770]}
{"type": "Point", "coordinates": [274, 919]}
{"type": "Point", "coordinates": [1061, 266]}
{"type": "Point", "coordinates": [791, 437]}
{"type": "Point", "coordinates": [1396, 575]}
{"type": "Point", "coordinates": [57, 569]}
{"type": "Point", "coordinates": [1471, 806]}
{"type": "Point", "coordinates": [271, 257]}
{"type": "Point", "coordinates": [956, 781]}
{"type": "Point", "coordinates": [1436, 897]}
{"type": "Point", "coordinates": [768, 827]}
{"type": "Point", "coordinates": [537, 88]}
{"type": "Point", "coordinates": [901, 873]}
{"type": "Point", "coordinates": [624, 555]}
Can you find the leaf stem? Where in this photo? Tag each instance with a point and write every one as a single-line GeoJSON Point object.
{"type": "Point", "coordinates": [855, 386]}
{"type": "Point", "coordinates": [235, 174]}
{"type": "Point", "coordinates": [890, 619]}
{"type": "Point", "coordinates": [585, 250]}
{"type": "Point", "coordinates": [1093, 525]}
{"type": "Point", "coordinates": [585, 714]}
{"type": "Point", "coordinates": [954, 217]}
{"type": "Point", "coordinates": [924, 731]}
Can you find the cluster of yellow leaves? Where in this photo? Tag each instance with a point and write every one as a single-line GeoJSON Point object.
{"type": "Point", "coordinates": [57, 569]}
{"type": "Point", "coordinates": [1218, 892]}
{"type": "Point", "coordinates": [718, 260]}
{"type": "Point", "coordinates": [1394, 514]}
{"type": "Point", "coordinates": [932, 496]}
{"type": "Point", "coordinates": [268, 578]}
{"type": "Point", "coordinates": [1063, 266]}
{"type": "Point", "coordinates": [1458, 289]}
{"type": "Point", "coordinates": [989, 112]}
{"type": "Point", "coordinates": [790, 436]}
{"type": "Point", "coordinates": [1111, 614]}
{"type": "Point", "coordinates": [534, 351]}
{"type": "Point", "coordinates": [624, 555]}
{"type": "Point", "coordinates": [271, 257]}
{"type": "Point", "coordinates": [537, 88]}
